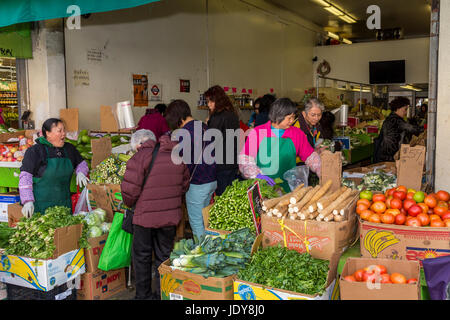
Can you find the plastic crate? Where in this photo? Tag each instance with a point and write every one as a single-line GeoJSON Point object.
{"type": "Point", "coordinates": [58, 293]}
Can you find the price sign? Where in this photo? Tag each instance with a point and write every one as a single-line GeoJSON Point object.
{"type": "Point", "coordinates": [255, 200]}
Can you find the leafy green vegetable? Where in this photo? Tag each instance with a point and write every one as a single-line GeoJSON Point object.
{"type": "Point", "coordinates": [218, 256]}
{"type": "Point", "coordinates": [286, 269]}
{"type": "Point", "coordinates": [109, 171]}
{"type": "Point", "coordinates": [5, 233]}
{"type": "Point", "coordinates": [34, 237]}
{"type": "Point", "coordinates": [378, 181]}
{"type": "Point", "coordinates": [231, 211]}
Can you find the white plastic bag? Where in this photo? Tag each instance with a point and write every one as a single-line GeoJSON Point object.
{"type": "Point", "coordinates": [297, 176]}
{"type": "Point", "coordinates": [83, 204]}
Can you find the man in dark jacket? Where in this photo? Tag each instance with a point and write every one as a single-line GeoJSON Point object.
{"type": "Point", "coordinates": [158, 205]}
{"type": "Point", "coordinates": [395, 131]}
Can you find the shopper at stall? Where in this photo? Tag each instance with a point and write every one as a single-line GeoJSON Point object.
{"type": "Point", "coordinates": [251, 121]}
{"type": "Point", "coordinates": [47, 170]}
{"type": "Point", "coordinates": [203, 180]}
{"type": "Point", "coordinates": [309, 120]}
{"type": "Point", "coordinates": [154, 121]}
{"type": "Point", "coordinates": [161, 107]}
{"type": "Point", "coordinates": [264, 107]}
{"type": "Point", "coordinates": [157, 205]}
{"type": "Point", "coordinates": [223, 117]}
{"type": "Point", "coordinates": [271, 148]}
{"type": "Point", "coordinates": [395, 131]}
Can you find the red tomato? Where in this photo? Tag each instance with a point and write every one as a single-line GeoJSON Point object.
{"type": "Point", "coordinates": [350, 278]}
{"type": "Point", "coordinates": [437, 223]}
{"type": "Point", "coordinates": [379, 197]}
{"type": "Point", "coordinates": [430, 201]}
{"type": "Point", "coordinates": [375, 218]}
{"type": "Point", "coordinates": [400, 195]}
{"type": "Point", "coordinates": [396, 203]}
{"type": "Point", "coordinates": [412, 280]}
{"type": "Point", "coordinates": [440, 210]}
{"type": "Point", "coordinates": [369, 277]}
{"type": "Point", "coordinates": [447, 223]}
{"type": "Point", "coordinates": [394, 212]}
{"type": "Point", "coordinates": [378, 207]}
{"type": "Point", "coordinates": [413, 222]}
{"type": "Point", "coordinates": [398, 278]}
{"type": "Point", "coordinates": [446, 216]}
{"type": "Point", "coordinates": [402, 188]}
{"type": "Point", "coordinates": [424, 219]}
{"type": "Point", "coordinates": [386, 278]}
{"type": "Point", "coordinates": [359, 274]}
{"type": "Point", "coordinates": [400, 219]}
{"type": "Point", "coordinates": [387, 218]}
{"type": "Point", "coordinates": [388, 202]}
{"type": "Point", "coordinates": [366, 214]}
{"type": "Point", "coordinates": [402, 210]}
{"type": "Point", "coordinates": [410, 195]}
{"type": "Point", "coordinates": [408, 203]}
{"type": "Point", "coordinates": [381, 269]}
{"type": "Point", "coordinates": [443, 195]}
{"type": "Point", "coordinates": [414, 210]}
{"type": "Point", "coordinates": [424, 207]}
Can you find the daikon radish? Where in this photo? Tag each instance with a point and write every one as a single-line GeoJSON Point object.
{"type": "Point", "coordinates": [313, 215]}
{"type": "Point", "coordinates": [325, 202]}
{"type": "Point", "coordinates": [336, 203]}
{"type": "Point", "coordinates": [320, 193]}
{"type": "Point", "coordinates": [271, 203]}
{"type": "Point", "coordinates": [297, 195]}
{"type": "Point", "coordinates": [284, 200]}
{"type": "Point", "coordinates": [308, 196]}
{"type": "Point", "coordinates": [330, 217]}
{"type": "Point", "coordinates": [345, 204]}
{"type": "Point", "coordinates": [339, 218]}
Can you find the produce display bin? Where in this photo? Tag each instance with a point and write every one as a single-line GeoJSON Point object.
{"type": "Point", "coordinates": [62, 292]}
{"type": "Point", "coordinates": [360, 153]}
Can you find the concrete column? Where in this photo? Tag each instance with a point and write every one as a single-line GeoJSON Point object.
{"type": "Point", "coordinates": [46, 71]}
{"type": "Point", "coordinates": [442, 181]}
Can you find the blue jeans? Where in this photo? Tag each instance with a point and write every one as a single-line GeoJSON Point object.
{"type": "Point", "coordinates": [197, 198]}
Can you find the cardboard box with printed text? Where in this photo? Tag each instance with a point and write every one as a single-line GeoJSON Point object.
{"type": "Point", "coordinates": [101, 285]}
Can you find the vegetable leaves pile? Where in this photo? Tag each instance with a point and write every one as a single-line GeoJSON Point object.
{"type": "Point", "coordinates": [5, 234]}
{"type": "Point", "coordinates": [231, 211]}
{"type": "Point", "coordinates": [286, 269]}
{"type": "Point", "coordinates": [34, 237]}
{"type": "Point", "coordinates": [214, 256]}
{"type": "Point", "coordinates": [378, 181]}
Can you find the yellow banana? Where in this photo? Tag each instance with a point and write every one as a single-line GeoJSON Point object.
{"type": "Point", "coordinates": [389, 243]}
{"type": "Point", "coordinates": [164, 284]}
{"type": "Point", "coordinates": [367, 239]}
{"type": "Point", "coordinates": [380, 241]}
{"type": "Point", "coordinates": [385, 239]}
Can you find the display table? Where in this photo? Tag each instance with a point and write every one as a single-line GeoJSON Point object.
{"type": "Point", "coordinates": [9, 176]}
{"type": "Point", "coordinates": [355, 252]}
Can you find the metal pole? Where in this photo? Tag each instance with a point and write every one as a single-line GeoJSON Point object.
{"type": "Point", "coordinates": [432, 94]}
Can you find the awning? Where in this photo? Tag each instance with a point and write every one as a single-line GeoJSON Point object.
{"type": "Point", "coordinates": [15, 41]}
{"type": "Point", "coordinates": [17, 11]}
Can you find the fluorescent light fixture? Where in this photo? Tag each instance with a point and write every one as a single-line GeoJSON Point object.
{"type": "Point", "coordinates": [334, 11]}
{"type": "Point", "coordinates": [347, 19]}
{"type": "Point", "coordinates": [346, 41]}
{"type": "Point", "coordinates": [322, 3]}
{"type": "Point", "coordinates": [333, 35]}
{"type": "Point", "coordinates": [410, 87]}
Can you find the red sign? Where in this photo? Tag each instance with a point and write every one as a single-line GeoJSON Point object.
{"type": "Point", "coordinates": [185, 85]}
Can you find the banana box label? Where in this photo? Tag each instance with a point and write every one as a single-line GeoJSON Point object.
{"type": "Point", "coordinates": [247, 291]}
{"type": "Point", "coordinates": [41, 275]}
{"type": "Point", "coordinates": [376, 241]}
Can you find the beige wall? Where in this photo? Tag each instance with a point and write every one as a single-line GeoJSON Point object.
{"type": "Point", "coordinates": [442, 180]}
{"type": "Point", "coordinates": [351, 62]}
{"type": "Point", "coordinates": [242, 44]}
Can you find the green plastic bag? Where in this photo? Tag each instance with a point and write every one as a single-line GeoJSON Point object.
{"type": "Point", "coordinates": [117, 251]}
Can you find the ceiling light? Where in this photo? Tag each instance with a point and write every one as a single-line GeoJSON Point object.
{"type": "Point", "coordinates": [322, 3]}
{"type": "Point", "coordinates": [334, 11]}
{"type": "Point", "coordinates": [346, 41]}
{"type": "Point", "coordinates": [410, 87]}
{"type": "Point", "coordinates": [347, 18]}
{"type": "Point", "coordinates": [333, 35]}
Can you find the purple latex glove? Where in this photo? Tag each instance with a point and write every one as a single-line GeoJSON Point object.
{"type": "Point", "coordinates": [269, 180]}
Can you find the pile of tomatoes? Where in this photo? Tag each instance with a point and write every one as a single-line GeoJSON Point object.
{"type": "Point", "coordinates": [404, 206]}
{"type": "Point", "coordinates": [378, 274]}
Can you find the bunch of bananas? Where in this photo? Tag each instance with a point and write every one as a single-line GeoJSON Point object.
{"type": "Point", "coordinates": [168, 284]}
{"type": "Point", "coordinates": [376, 241]}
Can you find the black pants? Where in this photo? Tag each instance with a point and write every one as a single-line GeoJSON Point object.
{"type": "Point", "coordinates": [224, 179]}
{"type": "Point", "coordinates": [145, 241]}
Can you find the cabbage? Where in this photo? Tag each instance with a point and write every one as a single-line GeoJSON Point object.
{"type": "Point", "coordinates": [94, 232]}
{"type": "Point", "coordinates": [101, 213]}
{"type": "Point", "coordinates": [105, 226]}
{"type": "Point", "coordinates": [92, 219]}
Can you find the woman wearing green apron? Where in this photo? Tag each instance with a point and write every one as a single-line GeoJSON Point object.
{"type": "Point", "coordinates": [271, 149]}
{"type": "Point", "coordinates": [47, 170]}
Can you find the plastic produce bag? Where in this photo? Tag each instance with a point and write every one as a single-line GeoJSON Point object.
{"type": "Point", "coordinates": [297, 176]}
{"type": "Point", "coordinates": [437, 274]}
{"type": "Point", "coordinates": [117, 251]}
{"type": "Point", "coordinates": [83, 204]}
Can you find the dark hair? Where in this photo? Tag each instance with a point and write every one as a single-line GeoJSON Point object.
{"type": "Point", "coordinates": [398, 103]}
{"type": "Point", "coordinates": [257, 101]}
{"type": "Point", "coordinates": [161, 107]}
{"type": "Point", "coordinates": [49, 124]}
{"type": "Point", "coordinates": [281, 108]}
{"type": "Point", "coordinates": [266, 102]}
{"type": "Point", "coordinates": [326, 122]}
{"type": "Point", "coordinates": [222, 101]}
{"type": "Point", "coordinates": [176, 112]}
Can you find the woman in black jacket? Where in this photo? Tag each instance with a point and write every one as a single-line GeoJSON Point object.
{"type": "Point", "coordinates": [223, 116]}
{"type": "Point", "coordinates": [395, 131]}
{"type": "Point", "coordinates": [264, 107]}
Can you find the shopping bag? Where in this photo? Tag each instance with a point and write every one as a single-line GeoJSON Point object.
{"type": "Point", "coordinates": [437, 275]}
{"type": "Point", "coordinates": [296, 176]}
{"type": "Point", "coordinates": [82, 204]}
{"type": "Point", "coordinates": [117, 251]}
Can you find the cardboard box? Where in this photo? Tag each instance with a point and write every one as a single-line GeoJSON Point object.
{"type": "Point", "coordinates": [103, 196]}
{"type": "Point", "coordinates": [244, 290]}
{"type": "Point", "coordinates": [70, 119]}
{"type": "Point", "coordinates": [93, 253]}
{"type": "Point", "coordinates": [397, 242]}
{"type": "Point", "coordinates": [40, 274]}
{"type": "Point", "coordinates": [380, 291]}
{"type": "Point", "coordinates": [101, 285]}
{"type": "Point", "coordinates": [6, 199]}
{"type": "Point", "coordinates": [181, 285]}
{"type": "Point", "coordinates": [4, 137]}
{"type": "Point", "coordinates": [325, 238]}
{"type": "Point", "coordinates": [14, 214]}
{"type": "Point", "coordinates": [208, 230]}
{"type": "Point", "coordinates": [410, 166]}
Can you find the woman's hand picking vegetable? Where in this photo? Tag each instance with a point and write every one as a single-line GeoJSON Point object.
{"type": "Point", "coordinates": [28, 209]}
{"type": "Point", "coordinates": [269, 180]}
